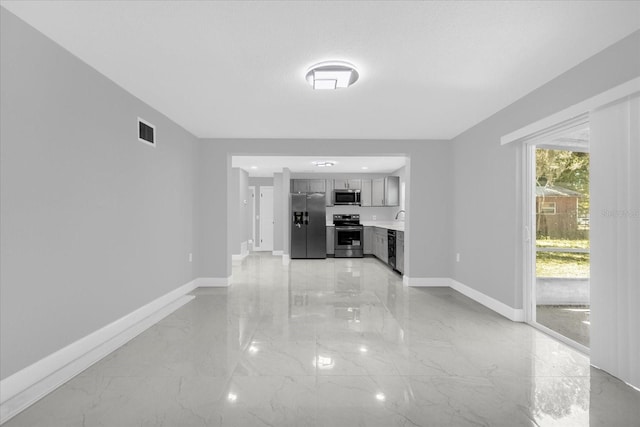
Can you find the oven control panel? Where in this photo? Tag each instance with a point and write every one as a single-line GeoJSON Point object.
{"type": "Point", "coordinates": [346, 219]}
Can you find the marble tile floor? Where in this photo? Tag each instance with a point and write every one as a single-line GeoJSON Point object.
{"type": "Point", "coordinates": [569, 320]}
{"type": "Point", "coordinates": [336, 342]}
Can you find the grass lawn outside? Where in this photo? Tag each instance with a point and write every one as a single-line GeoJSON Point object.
{"type": "Point", "coordinates": [562, 264]}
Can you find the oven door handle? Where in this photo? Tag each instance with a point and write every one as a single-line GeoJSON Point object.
{"type": "Point", "coordinates": [347, 228]}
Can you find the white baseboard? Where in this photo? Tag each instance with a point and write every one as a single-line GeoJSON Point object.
{"type": "Point", "coordinates": [277, 253]}
{"type": "Point", "coordinates": [513, 314]}
{"type": "Point", "coordinates": [212, 282]}
{"type": "Point", "coordinates": [427, 282]}
{"type": "Point", "coordinates": [244, 252]}
{"type": "Point", "coordinates": [27, 386]}
{"type": "Point", "coordinates": [239, 257]}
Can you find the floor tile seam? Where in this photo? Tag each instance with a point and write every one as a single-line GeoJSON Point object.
{"type": "Point", "coordinates": [444, 376]}
{"type": "Point", "coordinates": [336, 375]}
{"type": "Point", "coordinates": [498, 376]}
{"type": "Point", "coordinates": [367, 375]}
{"type": "Point", "coordinates": [108, 376]}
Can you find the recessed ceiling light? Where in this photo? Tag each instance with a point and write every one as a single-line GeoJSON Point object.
{"type": "Point", "coordinates": [332, 75]}
{"type": "Point", "coordinates": [324, 163]}
{"type": "Point", "coordinates": [365, 167]}
{"type": "Point", "coordinates": [254, 167]}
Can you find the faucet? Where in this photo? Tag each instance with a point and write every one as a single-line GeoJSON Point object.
{"type": "Point", "coordinates": [399, 212]}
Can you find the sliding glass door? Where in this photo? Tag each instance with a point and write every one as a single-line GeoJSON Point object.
{"type": "Point", "coordinates": [559, 217]}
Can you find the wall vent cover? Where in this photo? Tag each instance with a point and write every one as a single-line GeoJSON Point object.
{"type": "Point", "coordinates": [146, 132]}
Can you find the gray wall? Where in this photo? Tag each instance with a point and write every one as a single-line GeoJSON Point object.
{"type": "Point", "coordinates": [285, 209]}
{"type": "Point", "coordinates": [213, 242]}
{"type": "Point", "coordinates": [94, 224]}
{"type": "Point", "coordinates": [430, 173]}
{"type": "Point", "coordinates": [260, 181]}
{"type": "Point", "coordinates": [241, 214]}
{"type": "Point", "coordinates": [486, 187]}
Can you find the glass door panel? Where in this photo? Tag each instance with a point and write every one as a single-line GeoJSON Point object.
{"type": "Point", "coordinates": [561, 291]}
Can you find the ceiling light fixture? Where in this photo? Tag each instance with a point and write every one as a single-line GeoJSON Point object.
{"type": "Point", "coordinates": [332, 75]}
{"type": "Point", "coordinates": [324, 164]}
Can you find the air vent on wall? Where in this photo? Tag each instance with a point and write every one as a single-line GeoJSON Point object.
{"type": "Point", "coordinates": [146, 132]}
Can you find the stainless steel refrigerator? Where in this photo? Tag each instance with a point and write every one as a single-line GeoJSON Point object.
{"type": "Point", "coordinates": [308, 226]}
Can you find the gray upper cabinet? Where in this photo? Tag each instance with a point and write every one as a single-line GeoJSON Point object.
{"type": "Point", "coordinates": [385, 191]}
{"type": "Point", "coordinates": [347, 184]}
{"type": "Point", "coordinates": [373, 192]}
{"type": "Point", "coordinates": [392, 191]}
{"type": "Point", "coordinates": [317, 186]}
{"type": "Point", "coordinates": [365, 193]}
{"type": "Point", "coordinates": [377, 192]}
{"type": "Point", "coordinates": [299, 185]}
{"type": "Point", "coordinates": [308, 186]}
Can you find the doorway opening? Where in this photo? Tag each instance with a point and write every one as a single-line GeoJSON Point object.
{"type": "Point", "coordinates": [558, 214]}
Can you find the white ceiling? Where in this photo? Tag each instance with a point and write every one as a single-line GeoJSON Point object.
{"type": "Point", "coordinates": [235, 69]}
{"type": "Point", "coordinates": [266, 166]}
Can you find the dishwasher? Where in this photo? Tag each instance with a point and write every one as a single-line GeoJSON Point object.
{"type": "Point", "coordinates": [391, 244]}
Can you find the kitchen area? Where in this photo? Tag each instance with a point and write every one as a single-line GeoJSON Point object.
{"type": "Point", "coordinates": [332, 218]}
{"type": "Point", "coordinates": [306, 208]}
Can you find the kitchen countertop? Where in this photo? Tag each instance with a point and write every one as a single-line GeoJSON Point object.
{"type": "Point", "coordinates": [389, 225]}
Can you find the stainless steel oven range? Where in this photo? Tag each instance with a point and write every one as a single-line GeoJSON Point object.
{"type": "Point", "coordinates": [349, 235]}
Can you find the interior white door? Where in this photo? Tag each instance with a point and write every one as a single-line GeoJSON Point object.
{"type": "Point", "coordinates": [253, 219]}
{"type": "Point", "coordinates": [266, 219]}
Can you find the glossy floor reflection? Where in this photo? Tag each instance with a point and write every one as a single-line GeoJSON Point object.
{"type": "Point", "coordinates": [333, 343]}
{"type": "Point", "coordinates": [569, 320]}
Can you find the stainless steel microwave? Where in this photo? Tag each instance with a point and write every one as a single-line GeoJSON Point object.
{"type": "Point", "coordinates": [346, 197]}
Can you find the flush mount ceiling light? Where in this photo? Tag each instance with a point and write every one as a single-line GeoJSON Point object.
{"type": "Point", "coordinates": [332, 75]}
{"type": "Point", "coordinates": [324, 164]}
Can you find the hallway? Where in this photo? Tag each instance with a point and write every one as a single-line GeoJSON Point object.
{"type": "Point", "coordinates": [336, 342]}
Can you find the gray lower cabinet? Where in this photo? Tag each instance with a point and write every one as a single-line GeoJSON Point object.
{"type": "Point", "coordinates": [368, 240]}
{"type": "Point", "coordinates": [380, 244]}
{"type": "Point", "coordinates": [330, 240]}
{"type": "Point", "coordinates": [400, 251]}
